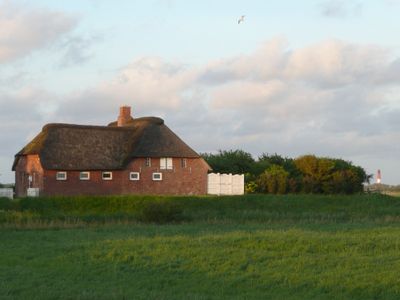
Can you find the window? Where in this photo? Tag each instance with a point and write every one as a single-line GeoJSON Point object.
{"type": "Point", "coordinates": [106, 175]}
{"type": "Point", "coordinates": [148, 162]}
{"type": "Point", "coordinates": [61, 175]}
{"type": "Point", "coordinates": [183, 163]}
{"type": "Point", "coordinates": [157, 176]}
{"type": "Point", "coordinates": [166, 163]}
{"type": "Point", "coordinates": [84, 175]}
{"type": "Point", "coordinates": [134, 176]}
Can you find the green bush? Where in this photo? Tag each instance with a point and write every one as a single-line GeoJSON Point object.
{"type": "Point", "coordinates": [6, 204]}
{"type": "Point", "coordinates": [148, 209]}
{"type": "Point", "coordinates": [251, 187]}
{"type": "Point", "coordinates": [18, 217]}
{"type": "Point", "coordinates": [83, 204]}
{"type": "Point", "coordinates": [304, 174]}
{"type": "Point", "coordinates": [159, 211]}
{"type": "Point", "coordinates": [274, 180]}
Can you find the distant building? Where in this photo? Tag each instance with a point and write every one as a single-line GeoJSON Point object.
{"type": "Point", "coordinates": [378, 176]}
{"type": "Point", "coordinates": [129, 156]}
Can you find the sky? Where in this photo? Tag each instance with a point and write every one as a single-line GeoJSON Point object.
{"type": "Point", "coordinates": [296, 77]}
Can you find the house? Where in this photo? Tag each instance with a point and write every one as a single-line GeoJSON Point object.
{"type": "Point", "coordinates": [129, 156]}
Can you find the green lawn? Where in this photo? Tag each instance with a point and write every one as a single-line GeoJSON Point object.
{"type": "Point", "coordinates": [259, 247]}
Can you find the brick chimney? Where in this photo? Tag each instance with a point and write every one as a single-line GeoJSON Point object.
{"type": "Point", "coordinates": [124, 115]}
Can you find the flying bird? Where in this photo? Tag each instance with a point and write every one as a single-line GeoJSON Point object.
{"type": "Point", "coordinates": [241, 19]}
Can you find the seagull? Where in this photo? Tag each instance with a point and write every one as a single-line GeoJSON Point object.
{"type": "Point", "coordinates": [241, 19]}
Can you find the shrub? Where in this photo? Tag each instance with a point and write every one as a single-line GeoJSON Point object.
{"type": "Point", "coordinates": [250, 187]}
{"type": "Point", "coordinates": [232, 161]}
{"type": "Point", "coordinates": [6, 204]}
{"type": "Point", "coordinates": [159, 211]}
{"type": "Point", "coordinates": [274, 180]}
{"type": "Point", "coordinates": [18, 217]}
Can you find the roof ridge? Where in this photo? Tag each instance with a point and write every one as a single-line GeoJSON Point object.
{"type": "Point", "coordinates": [152, 120]}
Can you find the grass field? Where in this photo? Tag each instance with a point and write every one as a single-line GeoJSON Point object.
{"type": "Point", "coordinates": [251, 247]}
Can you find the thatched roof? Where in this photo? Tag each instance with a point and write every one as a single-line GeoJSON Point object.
{"type": "Point", "coordinates": [82, 147]}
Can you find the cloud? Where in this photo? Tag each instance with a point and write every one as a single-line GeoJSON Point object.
{"type": "Point", "coordinates": [76, 49]}
{"type": "Point", "coordinates": [331, 88]}
{"type": "Point", "coordinates": [13, 80]}
{"type": "Point", "coordinates": [256, 94]}
{"type": "Point", "coordinates": [266, 62]}
{"type": "Point", "coordinates": [341, 8]}
{"type": "Point", "coordinates": [24, 30]}
{"type": "Point", "coordinates": [336, 63]}
{"type": "Point", "coordinates": [329, 63]}
{"type": "Point", "coordinates": [332, 98]}
{"type": "Point", "coordinates": [25, 110]}
{"type": "Point", "coordinates": [148, 83]}
{"type": "Point", "coordinates": [22, 115]}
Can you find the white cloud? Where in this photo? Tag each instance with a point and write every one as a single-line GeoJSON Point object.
{"type": "Point", "coordinates": [336, 63]}
{"type": "Point", "coordinates": [23, 30]}
{"type": "Point", "coordinates": [291, 97]}
{"type": "Point", "coordinates": [265, 63]}
{"type": "Point", "coordinates": [332, 98]}
{"type": "Point", "coordinates": [255, 93]}
{"type": "Point", "coordinates": [22, 115]}
{"type": "Point", "coordinates": [148, 84]}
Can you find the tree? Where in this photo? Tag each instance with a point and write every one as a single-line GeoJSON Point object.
{"type": "Point", "coordinates": [348, 178]}
{"type": "Point", "coordinates": [274, 180]}
{"type": "Point", "coordinates": [286, 162]}
{"type": "Point", "coordinates": [330, 176]}
{"type": "Point", "coordinates": [316, 173]}
{"type": "Point", "coordinates": [272, 173]}
{"type": "Point", "coordinates": [231, 161]}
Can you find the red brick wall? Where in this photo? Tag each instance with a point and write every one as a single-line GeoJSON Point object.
{"type": "Point", "coordinates": [191, 180]}
{"type": "Point", "coordinates": [28, 165]}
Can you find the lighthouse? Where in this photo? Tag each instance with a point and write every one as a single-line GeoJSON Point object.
{"type": "Point", "coordinates": [378, 176]}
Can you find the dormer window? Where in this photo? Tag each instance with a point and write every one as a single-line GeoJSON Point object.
{"type": "Point", "coordinates": [166, 163]}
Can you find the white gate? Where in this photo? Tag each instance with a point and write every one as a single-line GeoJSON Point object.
{"type": "Point", "coordinates": [225, 184]}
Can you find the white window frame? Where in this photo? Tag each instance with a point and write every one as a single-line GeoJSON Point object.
{"type": "Point", "coordinates": [166, 163]}
{"type": "Point", "coordinates": [64, 176]}
{"type": "Point", "coordinates": [148, 162]}
{"type": "Point", "coordinates": [183, 162]}
{"type": "Point", "coordinates": [134, 176]}
{"type": "Point", "coordinates": [106, 173]}
{"type": "Point", "coordinates": [154, 176]}
{"type": "Point", "coordinates": [84, 173]}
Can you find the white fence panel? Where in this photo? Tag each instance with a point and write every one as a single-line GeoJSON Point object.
{"type": "Point", "coordinates": [225, 184]}
{"type": "Point", "coordinates": [214, 184]}
{"type": "Point", "coordinates": [7, 192]}
{"type": "Point", "coordinates": [238, 184]}
{"type": "Point", "coordinates": [32, 192]}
